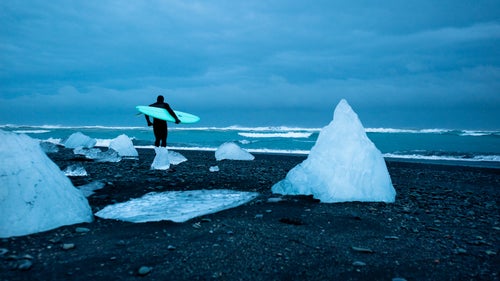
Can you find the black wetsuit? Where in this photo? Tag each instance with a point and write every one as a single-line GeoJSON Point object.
{"type": "Point", "coordinates": [160, 127]}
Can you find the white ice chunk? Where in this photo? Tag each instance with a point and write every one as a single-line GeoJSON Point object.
{"type": "Point", "coordinates": [177, 206]}
{"type": "Point", "coordinates": [108, 156]}
{"type": "Point", "coordinates": [79, 140]}
{"type": "Point", "coordinates": [232, 151]}
{"type": "Point", "coordinates": [124, 146]}
{"type": "Point", "coordinates": [35, 195]}
{"type": "Point", "coordinates": [214, 169]}
{"type": "Point", "coordinates": [98, 155]}
{"type": "Point", "coordinates": [54, 141]}
{"type": "Point", "coordinates": [161, 161]}
{"type": "Point", "coordinates": [75, 170]}
{"type": "Point", "coordinates": [344, 165]}
{"type": "Point", "coordinates": [49, 147]}
{"type": "Point", "coordinates": [89, 189]}
{"type": "Point", "coordinates": [103, 142]}
{"type": "Point", "coordinates": [176, 158]}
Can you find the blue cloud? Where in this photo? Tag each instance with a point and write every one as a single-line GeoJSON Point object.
{"type": "Point", "coordinates": [241, 62]}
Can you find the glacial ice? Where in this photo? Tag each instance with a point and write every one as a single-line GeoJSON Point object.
{"type": "Point", "coordinates": [78, 139]}
{"type": "Point", "coordinates": [177, 206]}
{"type": "Point", "coordinates": [98, 155]}
{"type": "Point", "coordinates": [176, 158]}
{"type": "Point", "coordinates": [164, 158]}
{"type": "Point", "coordinates": [343, 165]}
{"type": "Point", "coordinates": [88, 189]}
{"type": "Point", "coordinates": [75, 170]}
{"type": "Point", "coordinates": [232, 151]}
{"type": "Point", "coordinates": [124, 146]}
{"type": "Point", "coordinates": [49, 147]}
{"type": "Point", "coordinates": [161, 160]}
{"type": "Point", "coordinates": [35, 195]}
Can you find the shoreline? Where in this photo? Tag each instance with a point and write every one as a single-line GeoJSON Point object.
{"type": "Point", "coordinates": [446, 162]}
{"type": "Point", "coordinates": [459, 163]}
{"type": "Point", "coordinates": [263, 128]}
{"type": "Point", "coordinates": [444, 225]}
{"type": "Point", "coordinates": [475, 147]}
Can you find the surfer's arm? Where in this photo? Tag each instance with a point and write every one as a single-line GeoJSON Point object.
{"type": "Point", "coordinates": [167, 107]}
{"type": "Point", "coordinates": [147, 120]}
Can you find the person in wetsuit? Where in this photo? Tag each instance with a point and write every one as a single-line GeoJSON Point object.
{"type": "Point", "coordinates": [160, 127]}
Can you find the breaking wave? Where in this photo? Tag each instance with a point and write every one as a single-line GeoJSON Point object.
{"type": "Point", "coordinates": [31, 131]}
{"type": "Point", "coordinates": [438, 157]}
{"type": "Point", "coordinates": [472, 133]}
{"type": "Point", "coordinates": [276, 135]}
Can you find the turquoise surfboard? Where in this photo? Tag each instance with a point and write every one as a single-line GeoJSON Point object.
{"type": "Point", "coordinates": [161, 113]}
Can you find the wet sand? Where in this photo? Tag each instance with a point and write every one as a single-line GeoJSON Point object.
{"type": "Point", "coordinates": [445, 225]}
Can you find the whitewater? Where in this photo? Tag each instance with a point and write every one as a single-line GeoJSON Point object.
{"type": "Point", "coordinates": [450, 146]}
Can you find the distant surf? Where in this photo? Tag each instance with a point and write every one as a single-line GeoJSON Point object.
{"type": "Point", "coordinates": [420, 145]}
{"type": "Point", "coordinates": [31, 131]}
{"type": "Point", "coordinates": [276, 135]}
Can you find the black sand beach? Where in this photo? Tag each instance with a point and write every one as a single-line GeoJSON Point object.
{"type": "Point", "coordinates": [445, 225]}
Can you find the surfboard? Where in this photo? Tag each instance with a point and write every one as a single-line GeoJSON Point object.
{"type": "Point", "coordinates": [161, 113]}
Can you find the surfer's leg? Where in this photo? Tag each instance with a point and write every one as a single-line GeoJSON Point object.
{"type": "Point", "coordinates": [157, 132]}
{"type": "Point", "coordinates": [164, 140]}
{"type": "Point", "coordinates": [163, 136]}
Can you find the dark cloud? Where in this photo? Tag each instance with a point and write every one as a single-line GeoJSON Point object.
{"type": "Point", "coordinates": [410, 63]}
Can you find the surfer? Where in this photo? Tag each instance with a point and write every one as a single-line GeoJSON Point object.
{"type": "Point", "coordinates": [160, 128]}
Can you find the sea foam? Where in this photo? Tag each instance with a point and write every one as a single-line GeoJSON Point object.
{"type": "Point", "coordinates": [276, 135]}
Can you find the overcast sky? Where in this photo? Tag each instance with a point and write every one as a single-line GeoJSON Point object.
{"type": "Point", "coordinates": [419, 64]}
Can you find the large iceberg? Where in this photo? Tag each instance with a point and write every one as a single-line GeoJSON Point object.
{"type": "Point", "coordinates": [124, 146]}
{"type": "Point", "coordinates": [35, 195]}
{"type": "Point", "coordinates": [344, 165]}
{"type": "Point", "coordinates": [232, 151]}
{"type": "Point", "coordinates": [79, 140]}
{"type": "Point", "coordinates": [177, 206]}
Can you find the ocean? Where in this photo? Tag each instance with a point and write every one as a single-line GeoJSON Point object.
{"type": "Point", "coordinates": [442, 146]}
